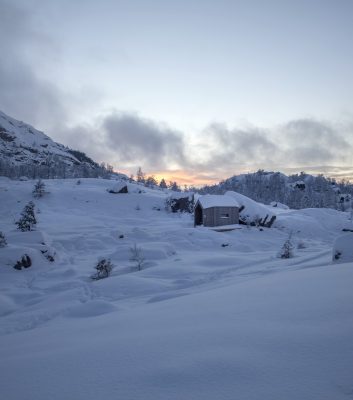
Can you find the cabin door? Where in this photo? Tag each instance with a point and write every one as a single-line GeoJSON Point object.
{"type": "Point", "coordinates": [198, 215]}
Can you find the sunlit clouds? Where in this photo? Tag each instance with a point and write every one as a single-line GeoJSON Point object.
{"type": "Point", "coordinates": [193, 92]}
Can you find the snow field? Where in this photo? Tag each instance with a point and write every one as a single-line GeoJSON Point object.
{"type": "Point", "coordinates": [199, 321]}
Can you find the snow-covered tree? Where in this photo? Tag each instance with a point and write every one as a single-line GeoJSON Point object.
{"type": "Point", "coordinates": [28, 218]}
{"type": "Point", "coordinates": [287, 248]}
{"type": "Point", "coordinates": [39, 189]}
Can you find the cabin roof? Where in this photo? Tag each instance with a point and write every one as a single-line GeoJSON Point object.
{"type": "Point", "coordinates": [217, 200]}
{"type": "Point", "coordinates": [118, 186]}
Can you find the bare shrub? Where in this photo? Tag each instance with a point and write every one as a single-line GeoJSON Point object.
{"type": "Point", "coordinates": [137, 256]}
{"type": "Point", "coordinates": [3, 241]}
{"type": "Point", "coordinates": [104, 268]}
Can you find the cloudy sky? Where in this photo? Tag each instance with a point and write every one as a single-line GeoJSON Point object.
{"type": "Point", "coordinates": [195, 90]}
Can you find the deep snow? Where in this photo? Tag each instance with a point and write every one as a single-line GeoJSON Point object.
{"type": "Point", "coordinates": [212, 315]}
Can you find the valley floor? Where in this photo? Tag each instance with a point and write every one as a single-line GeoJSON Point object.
{"type": "Point", "coordinates": [211, 315]}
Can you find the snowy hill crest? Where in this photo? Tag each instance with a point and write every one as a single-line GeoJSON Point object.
{"type": "Point", "coordinates": [296, 191]}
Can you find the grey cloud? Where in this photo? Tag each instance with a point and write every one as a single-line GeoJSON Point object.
{"type": "Point", "coordinates": [301, 142]}
{"type": "Point", "coordinates": [312, 132]}
{"type": "Point", "coordinates": [23, 93]}
{"type": "Point", "coordinates": [238, 146]}
{"type": "Point", "coordinates": [139, 140]}
{"type": "Point", "coordinates": [126, 139]}
{"type": "Point", "coordinates": [308, 140]}
{"type": "Point", "coordinates": [119, 138]}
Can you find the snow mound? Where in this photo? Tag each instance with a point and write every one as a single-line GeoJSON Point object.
{"type": "Point", "coordinates": [343, 248]}
{"type": "Point", "coordinates": [279, 205]}
{"type": "Point", "coordinates": [7, 305]}
{"type": "Point", "coordinates": [92, 308]}
{"type": "Point", "coordinates": [252, 210]}
{"type": "Point", "coordinates": [312, 223]}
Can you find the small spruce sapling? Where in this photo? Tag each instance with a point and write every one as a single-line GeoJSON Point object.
{"type": "Point", "coordinates": [3, 241]}
{"type": "Point", "coordinates": [287, 248]}
{"type": "Point", "coordinates": [28, 218]}
{"type": "Point", "coordinates": [39, 189]}
{"type": "Point", "coordinates": [104, 268]}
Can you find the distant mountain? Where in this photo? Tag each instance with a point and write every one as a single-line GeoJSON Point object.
{"type": "Point", "coordinates": [26, 151]}
{"type": "Point", "coordinates": [297, 191]}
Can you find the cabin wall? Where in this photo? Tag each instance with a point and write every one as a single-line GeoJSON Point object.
{"type": "Point", "coordinates": [208, 217]}
{"type": "Point", "coordinates": [218, 216]}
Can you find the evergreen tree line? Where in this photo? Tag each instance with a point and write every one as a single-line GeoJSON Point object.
{"type": "Point", "coordinates": [151, 181]}
{"type": "Point", "coordinates": [54, 168]}
{"type": "Point", "coordinates": [296, 191]}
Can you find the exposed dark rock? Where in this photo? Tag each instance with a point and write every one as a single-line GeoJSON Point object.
{"type": "Point", "coordinates": [25, 262]}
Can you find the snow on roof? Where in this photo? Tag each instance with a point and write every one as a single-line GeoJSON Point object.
{"type": "Point", "coordinates": [217, 200]}
{"type": "Point", "coordinates": [252, 209]}
{"type": "Point", "coordinates": [181, 195]}
{"type": "Point", "coordinates": [117, 187]}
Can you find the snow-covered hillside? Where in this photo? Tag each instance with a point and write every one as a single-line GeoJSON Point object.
{"type": "Point", "coordinates": [211, 315]}
{"type": "Point", "coordinates": [296, 191]}
{"type": "Point", "coordinates": [24, 149]}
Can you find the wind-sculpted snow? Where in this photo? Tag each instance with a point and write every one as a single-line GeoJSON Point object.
{"type": "Point", "coordinates": [211, 315]}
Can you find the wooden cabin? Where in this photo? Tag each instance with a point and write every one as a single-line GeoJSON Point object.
{"type": "Point", "coordinates": [216, 210]}
{"type": "Point", "coordinates": [180, 202]}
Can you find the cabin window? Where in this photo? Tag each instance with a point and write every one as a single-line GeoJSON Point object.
{"type": "Point", "coordinates": [224, 215]}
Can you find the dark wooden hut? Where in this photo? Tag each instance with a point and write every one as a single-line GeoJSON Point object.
{"type": "Point", "coordinates": [216, 210]}
{"type": "Point", "coordinates": [180, 202]}
{"type": "Point", "coordinates": [119, 187]}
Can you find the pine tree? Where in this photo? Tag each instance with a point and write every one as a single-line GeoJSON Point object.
{"type": "Point", "coordinates": [163, 184]}
{"type": "Point", "coordinates": [38, 190]}
{"type": "Point", "coordinates": [174, 186]}
{"type": "Point", "coordinates": [28, 218]}
{"type": "Point", "coordinates": [287, 248]}
{"type": "Point", "coordinates": [151, 181]}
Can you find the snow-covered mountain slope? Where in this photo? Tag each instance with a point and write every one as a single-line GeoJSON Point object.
{"type": "Point", "coordinates": [22, 144]}
{"type": "Point", "coordinates": [211, 315]}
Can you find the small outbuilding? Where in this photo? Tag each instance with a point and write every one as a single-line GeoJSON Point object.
{"type": "Point", "coordinates": [216, 210]}
{"type": "Point", "coordinates": [119, 187]}
{"type": "Point", "coordinates": [180, 202]}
